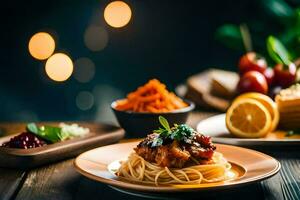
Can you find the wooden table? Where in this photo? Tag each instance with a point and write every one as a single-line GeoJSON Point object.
{"type": "Point", "coordinates": [61, 181]}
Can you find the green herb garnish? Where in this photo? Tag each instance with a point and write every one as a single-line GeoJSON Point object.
{"type": "Point", "coordinates": [180, 132]}
{"type": "Point", "coordinates": [55, 134]}
{"type": "Point", "coordinates": [49, 133]}
{"type": "Point", "coordinates": [164, 122]}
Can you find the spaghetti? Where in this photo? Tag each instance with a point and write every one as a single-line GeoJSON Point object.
{"type": "Point", "coordinates": [175, 155]}
{"type": "Point", "coordinates": [136, 168]}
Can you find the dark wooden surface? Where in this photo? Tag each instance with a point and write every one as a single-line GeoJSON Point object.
{"type": "Point", "coordinates": [61, 181]}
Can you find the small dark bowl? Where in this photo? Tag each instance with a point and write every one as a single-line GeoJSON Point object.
{"type": "Point", "coordinates": [140, 124]}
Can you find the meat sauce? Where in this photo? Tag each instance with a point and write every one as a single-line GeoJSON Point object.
{"type": "Point", "coordinates": [174, 153]}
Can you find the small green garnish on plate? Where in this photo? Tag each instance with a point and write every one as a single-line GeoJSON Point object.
{"type": "Point", "coordinates": [181, 132]}
{"type": "Point", "coordinates": [55, 134]}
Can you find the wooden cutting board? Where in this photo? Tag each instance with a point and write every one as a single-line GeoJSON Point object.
{"type": "Point", "coordinates": [100, 135]}
{"type": "Point", "coordinates": [199, 89]}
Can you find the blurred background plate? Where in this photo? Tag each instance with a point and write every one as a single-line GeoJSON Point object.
{"type": "Point", "coordinates": [100, 134]}
{"type": "Point", "coordinates": [216, 128]}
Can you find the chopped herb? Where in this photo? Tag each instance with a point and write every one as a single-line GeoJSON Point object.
{"type": "Point", "coordinates": [157, 142]}
{"type": "Point", "coordinates": [180, 132]}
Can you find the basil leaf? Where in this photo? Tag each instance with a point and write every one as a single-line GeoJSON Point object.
{"type": "Point", "coordinates": [277, 51]}
{"type": "Point", "coordinates": [52, 134]}
{"type": "Point", "coordinates": [31, 127]}
{"type": "Point", "coordinates": [55, 134]}
{"type": "Point", "coordinates": [49, 133]}
{"type": "Point", "coordinates": [163, 121]}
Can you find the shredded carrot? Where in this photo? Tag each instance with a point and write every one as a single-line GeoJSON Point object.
{"type": "Point", "coordinates": [152, 97]}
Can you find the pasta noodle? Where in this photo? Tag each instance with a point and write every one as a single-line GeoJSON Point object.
{"type": "Point", "coordinates": [138, 169]}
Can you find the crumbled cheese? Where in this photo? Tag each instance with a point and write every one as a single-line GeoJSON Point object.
{"type": "Point", "coordinates": [73, 130]}
{"type": "Point", "coordinates": [291, 93]}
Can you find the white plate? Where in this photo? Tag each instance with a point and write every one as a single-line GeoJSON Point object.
{"type": "Point", "coordinates": [216, 128]}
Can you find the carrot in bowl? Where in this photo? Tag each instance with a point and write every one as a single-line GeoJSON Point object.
{"type": "Point", "coordinates": [152, 97]}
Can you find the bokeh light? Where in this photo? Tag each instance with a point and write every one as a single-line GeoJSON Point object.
{"type": "Point", "coordinates": [41, 45]}
{"type": "Point", "coordinates": [95, 38]}
{"type": "Point", "coordinates": [59, 67]}
{"type": "Point", "coordinates": [84, 70]}
{"type": "Point", "coordinates": [84, 100]}
{"type": "Point", "coordinates": [117, 14]}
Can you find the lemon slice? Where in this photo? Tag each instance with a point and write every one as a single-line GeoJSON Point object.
{"type": "Point", "coordinates": [248, 118]}
{"type": "Point", "coordinates": [270, 105]}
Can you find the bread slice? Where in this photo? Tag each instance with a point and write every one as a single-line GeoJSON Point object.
{"type": "Point", "coordinates": [224, 83]}
{"type": "Point", "coordinates": [288, 103]}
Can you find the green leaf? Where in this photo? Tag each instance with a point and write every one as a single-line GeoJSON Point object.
{"type": "Point", "coordinates": [230, 35]}
{"type": "Point", "coordinates": [52, 134]}
{"type": "Point", "coordinates": [279, 9]}
{"type": "Point", "coordinates": [49, 133]}
{"type": "Point", "coordinates": [164, 122]}
{"type": "Point", "coordinates": [31, 127]}
{"type": "Point", "coordinates": [55, 134]}
{"type": "Point", "coordinates": [180, 132]}
{"type": "Point", "coordinates": [277, 51]}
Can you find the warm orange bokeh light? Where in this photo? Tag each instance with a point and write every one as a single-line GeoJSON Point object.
{"type": "Point", "coordinates": [59, 67]}
{"type": "Point", "coordinates": [117, 14]}
{"type": "Point", "coordinates": [41, 45]}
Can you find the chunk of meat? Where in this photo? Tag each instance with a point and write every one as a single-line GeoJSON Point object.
{"type": "Point", "coordinates": [200, 153]}
{"type": "Point", "coordinates": [174, 153]}
{"type": "Point", "coordinates": [170, 155]}
{"type": "Point", "coordinates": [146, 152]}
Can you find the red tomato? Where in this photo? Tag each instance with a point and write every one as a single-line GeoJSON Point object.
{"type": "Point", "coordinates": [253, 81]}
{"type": "Point", "coordinates": [285, 75]}
{"type": "Point", "coordinates": [252, 62]}
{"type": "Point", "coordinates": [269, 75]}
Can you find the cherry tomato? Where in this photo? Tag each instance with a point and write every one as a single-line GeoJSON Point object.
{"type": "Point", "coordinates": [252, 62]}
{"type": "Point", "coordinates": [285, 75]}
{"type": "Point", "coordinates": [253, 81]}
{"type": "Point", "coordinates": [269, 75]}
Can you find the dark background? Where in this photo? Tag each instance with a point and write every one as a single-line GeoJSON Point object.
{"type": "Point", "coordinates": [169, 40]}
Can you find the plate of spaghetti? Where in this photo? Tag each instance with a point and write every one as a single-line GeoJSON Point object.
{"type": "Point", "coordinates": [174, 159]}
